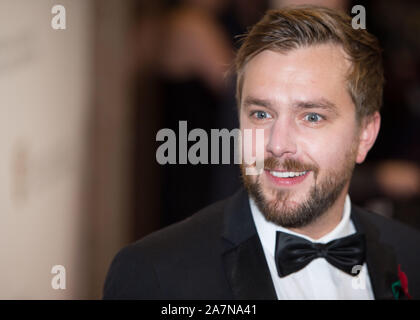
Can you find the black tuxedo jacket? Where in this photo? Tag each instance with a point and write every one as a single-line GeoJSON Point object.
{"type": "Point", "coordinates": [217, 254]}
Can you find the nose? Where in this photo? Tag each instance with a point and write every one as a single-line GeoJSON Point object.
{"type": "Point", "coordinates": [282, 139]}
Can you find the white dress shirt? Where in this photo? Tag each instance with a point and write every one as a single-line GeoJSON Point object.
{"type": "Point", "coordinates": [319, 279]}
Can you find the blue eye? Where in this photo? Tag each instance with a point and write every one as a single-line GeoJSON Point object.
{"type": "Point", "coordinates": [313, 117]}
{"type": "Point", "coordinates": [261, 115]}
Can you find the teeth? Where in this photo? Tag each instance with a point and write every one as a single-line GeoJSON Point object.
{"type": "Point", "coordinates": [279, 174]}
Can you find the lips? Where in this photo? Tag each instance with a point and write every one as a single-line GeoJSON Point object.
{"type": "Point", "coordinates": [286, 178]}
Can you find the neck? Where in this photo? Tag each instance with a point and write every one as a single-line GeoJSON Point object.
{"type": "Point", "coordinates": [327, 222]}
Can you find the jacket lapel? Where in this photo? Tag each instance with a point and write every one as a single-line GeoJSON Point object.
{"type": "Point", "coordinates": [244, 261]}
{"type": "Point", "coordinates": [380, 257]}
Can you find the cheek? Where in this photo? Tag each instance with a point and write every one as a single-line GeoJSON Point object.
{"type": "Point", "coordinates": [329, 151]}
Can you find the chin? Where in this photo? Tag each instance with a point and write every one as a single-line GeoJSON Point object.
{"type": "Point", "coordinates": [291, 198]}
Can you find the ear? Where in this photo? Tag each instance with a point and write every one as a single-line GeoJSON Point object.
{"type": "Point", "coordinates": [368, 132]}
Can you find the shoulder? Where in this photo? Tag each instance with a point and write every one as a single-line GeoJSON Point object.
{"type": "Point", "coordinates": [187, 234]}
{"type": "Point", "coordinates": [138, 268]}
{"type": "Point", "coordinates": [391, 230]}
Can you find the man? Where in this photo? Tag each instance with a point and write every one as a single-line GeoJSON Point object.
{"type": "Point", "coordinates": [314, 86]}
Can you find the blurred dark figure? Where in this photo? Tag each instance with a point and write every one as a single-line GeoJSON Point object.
{"type": "Point", "coordinates": [192, 87]}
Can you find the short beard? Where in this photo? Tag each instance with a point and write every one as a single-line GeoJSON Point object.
{"type": "Point", "coordinates": [321, 197]}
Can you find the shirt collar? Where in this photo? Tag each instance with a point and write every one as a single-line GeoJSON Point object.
{"type": "Point", "coordinates": [267, 230]}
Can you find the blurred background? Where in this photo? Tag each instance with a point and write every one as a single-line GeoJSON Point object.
{"type": "Point", "coordinates": [80, 109]}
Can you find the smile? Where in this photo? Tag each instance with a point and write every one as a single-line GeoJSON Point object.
{"type": "Point", "coordinates": [287, 174]}
{"type": "Point", "coordinates": [286, 178]}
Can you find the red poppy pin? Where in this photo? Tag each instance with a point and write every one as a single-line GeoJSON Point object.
{"type": "Point", "coordinates": [400, 285]}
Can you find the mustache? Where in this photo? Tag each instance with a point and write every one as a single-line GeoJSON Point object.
{"type": "Point", "coordinates": [289, 165]}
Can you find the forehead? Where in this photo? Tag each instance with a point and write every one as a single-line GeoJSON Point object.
{"type": "Point", "coordinates": [314, 72]}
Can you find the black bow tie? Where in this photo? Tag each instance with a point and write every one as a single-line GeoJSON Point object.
{"type": "Point", "coordinates": [294, 253]}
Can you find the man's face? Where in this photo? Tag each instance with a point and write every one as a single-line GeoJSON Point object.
{"type": "Point", "coordinates": [311, 135]}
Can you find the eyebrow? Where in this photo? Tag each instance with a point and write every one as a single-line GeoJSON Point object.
{"type": "Point", "coordinates": [252, 101]}
{"type": "Point", "coordinates": [317, 104]}
{"type": "Point", "coordinates": [321, 103]}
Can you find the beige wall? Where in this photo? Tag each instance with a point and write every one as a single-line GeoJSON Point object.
{"type": "Point", "coordinates": [109, 153]}
{"type": "Point", "coordinates": [45, 97]}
